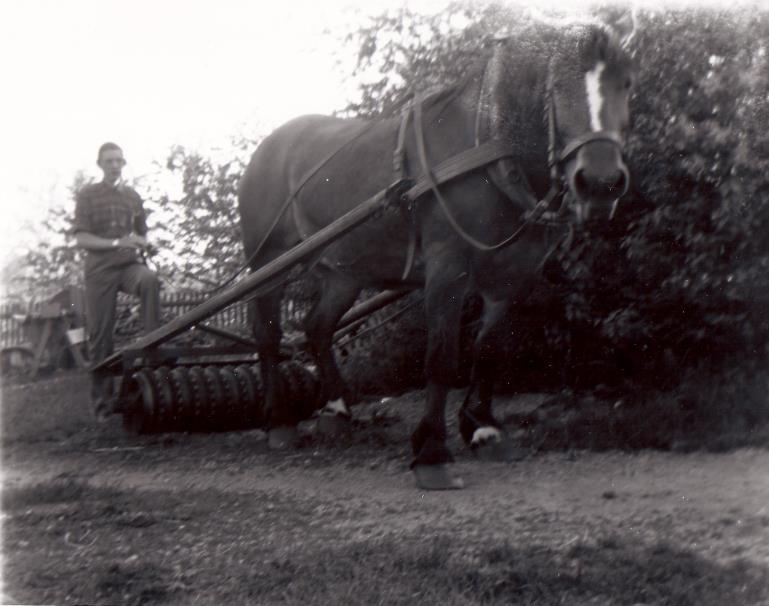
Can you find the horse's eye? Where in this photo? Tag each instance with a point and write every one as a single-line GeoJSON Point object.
{"type": "Point", "coordinates": [628, 83]}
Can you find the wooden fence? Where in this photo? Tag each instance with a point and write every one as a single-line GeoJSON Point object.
{"type": "Point", "coordinates": [12, 332]}
{"type": "Point", "coordinates": [233, 318]}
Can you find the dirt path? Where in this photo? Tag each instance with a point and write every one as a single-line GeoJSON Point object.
{"type": "Point", "coordinates": [727, 492]}
{"type": "Point", "coordinates": [591, 518]}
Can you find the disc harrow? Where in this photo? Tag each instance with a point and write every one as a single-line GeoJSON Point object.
{"type": "Point", "coordinates": [207, 398]}
{"type": "Point", "coordinates": [175, 387]}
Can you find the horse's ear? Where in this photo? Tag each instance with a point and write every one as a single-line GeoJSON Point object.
{"type": "Point", "coordinates": [621, 21]}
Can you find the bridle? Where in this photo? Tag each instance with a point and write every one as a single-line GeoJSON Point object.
{"type": "Point", "coordinates": [555, 158]}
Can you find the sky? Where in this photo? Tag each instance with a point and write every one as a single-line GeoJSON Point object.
{"type": "Point", "coordinates": [149, 74]}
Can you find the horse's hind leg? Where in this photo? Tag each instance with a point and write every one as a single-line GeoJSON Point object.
{"type": "Point", "coordinates": [477, 423]}
{"type": "Point", "coordinates": [267, 333]}
{"type": "Point", "coordinates": [337, 294]}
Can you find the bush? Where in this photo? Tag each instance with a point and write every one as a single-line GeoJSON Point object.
{"type": "Point", "coordinates": [687, 280]}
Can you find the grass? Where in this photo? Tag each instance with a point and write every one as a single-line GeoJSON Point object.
{"type": "Point", "coordinates": [444, 570]}
{"type": "Point", "coordinates": [155, 547]}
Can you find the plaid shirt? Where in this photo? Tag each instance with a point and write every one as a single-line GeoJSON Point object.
{"type": "Point", "coordinates": [110, 212]}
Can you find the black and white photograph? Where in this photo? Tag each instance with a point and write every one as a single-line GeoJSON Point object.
{"type": "Point", "coordinates": [389, 302]}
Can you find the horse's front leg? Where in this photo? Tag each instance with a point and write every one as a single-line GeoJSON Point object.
{"type": "Point", "coordinates": [477, 423]}
{"type": "Point", "coordinates": [337, 294]}
{"type": "Point", "coordinates": [444, 295]}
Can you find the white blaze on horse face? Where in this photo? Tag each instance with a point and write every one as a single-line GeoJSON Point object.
{"type": "Point", "coordinates": [594, 97]}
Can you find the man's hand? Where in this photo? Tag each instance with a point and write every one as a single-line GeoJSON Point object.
{"type": "Point", "coordinates": [133, 241]}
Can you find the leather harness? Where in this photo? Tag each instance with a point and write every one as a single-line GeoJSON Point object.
{"type": "Point", "coordinates": [489, 154]}
{"type": "Point", "coordinates": [486, 154]}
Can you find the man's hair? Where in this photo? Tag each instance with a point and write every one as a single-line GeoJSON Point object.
{"type": "Point", "coordinates": [108, 146]}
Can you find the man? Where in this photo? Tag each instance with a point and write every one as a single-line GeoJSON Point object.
{"type": "Point", "coordinates": [110, 225]}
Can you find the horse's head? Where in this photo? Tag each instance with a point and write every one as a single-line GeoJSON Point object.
{"type": "Point", "coordinates": [589, 85]}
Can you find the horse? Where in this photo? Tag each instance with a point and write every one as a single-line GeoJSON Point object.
{"type": "Point", "coordinates": [558, 107]}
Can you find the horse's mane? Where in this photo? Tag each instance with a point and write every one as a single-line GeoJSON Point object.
{"type": "Point", "coordinates": [528, 53]}
{"type": "Point", "coordinates": [439, 99]}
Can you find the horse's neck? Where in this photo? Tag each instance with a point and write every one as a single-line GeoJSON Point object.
{"type": "Point", "coordinates": [512, 106]}
{"type": "Point", "coordinates": [452, 119]}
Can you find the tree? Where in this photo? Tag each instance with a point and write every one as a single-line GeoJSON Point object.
{"type": "Point", "coordinates": [404, 52]}
{"type": "Point", "coordinates": [53, 263]}
{"type": "Point", "coordinates": [198, 231]}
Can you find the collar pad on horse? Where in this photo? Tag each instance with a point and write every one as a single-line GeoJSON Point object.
{"type": "Point", "coordinates": [479, 156]}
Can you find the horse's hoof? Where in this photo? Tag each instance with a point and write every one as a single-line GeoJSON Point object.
{"type": "Point", "coordinates": [334, 425]}
{"type": "Point", "coordinates": [436, 477]}
{"type": "Point", "coordinates": [282, 437]}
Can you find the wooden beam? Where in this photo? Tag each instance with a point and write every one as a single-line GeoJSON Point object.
{"type": "Point", "coordinates": [226, 334]}
{"type": "Point", "coordinates": [255, 279]}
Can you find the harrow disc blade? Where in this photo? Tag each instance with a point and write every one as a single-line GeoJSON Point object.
{"type": "Point", "coordinates": [233, 406]}
{"type": "Point", "coordinates": [182, 394]}
{"type": "Point", "coordinates": [249, 396]}
{"type": "Point", "coordinates": [141, 417]}
{"type": "Point", "coordinates": [199, 398]}
{"type": "Point", "coordinates": [166, 414]}
{"type": "Point", "coordinates": [215, 413]}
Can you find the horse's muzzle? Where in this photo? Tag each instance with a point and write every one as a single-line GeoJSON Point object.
{"type": "Point", "coordinates": [597, 178]}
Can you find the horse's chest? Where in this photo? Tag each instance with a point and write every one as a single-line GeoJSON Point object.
{"type": "Point", "coordinates": [513, 271]}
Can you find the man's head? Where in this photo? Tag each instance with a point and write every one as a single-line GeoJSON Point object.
{"type": "Point", "coordinates": [111, 162]}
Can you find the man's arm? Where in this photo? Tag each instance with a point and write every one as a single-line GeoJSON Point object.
{"type": "Point", "coordinates": [90, 241]}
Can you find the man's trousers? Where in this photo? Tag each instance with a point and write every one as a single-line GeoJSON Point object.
{"type": "Point", "coordinates": [101, 288]}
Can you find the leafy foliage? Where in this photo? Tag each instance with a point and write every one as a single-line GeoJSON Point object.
{"type": "Point", "coordinates": [198, 231]}
{"type": "Point", "coordinates": [682, 278]}
{"type": "Point", "coordinates": [689, 272]}
{"type": "Point", "coordinates": [405, 52]}
{"type": "Point", "coordinates": [54, 263]}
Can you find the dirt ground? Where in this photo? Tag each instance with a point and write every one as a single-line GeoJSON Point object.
{"type": "Point", "coordinates": [94, 515]}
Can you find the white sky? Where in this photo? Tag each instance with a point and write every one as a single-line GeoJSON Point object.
{"type": "Point", "coordinates": [149, 74]}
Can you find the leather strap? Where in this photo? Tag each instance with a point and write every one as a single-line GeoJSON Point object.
{"type": "Point", "coordinates": [460, 164]}
{"type": "Point", "coordinates": [574, 145]}
{"type": "Point", "coordinates": [475, 157]}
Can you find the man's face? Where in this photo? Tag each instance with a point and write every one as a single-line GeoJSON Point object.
{"type": "Point", "coordinates": [111, 163]}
